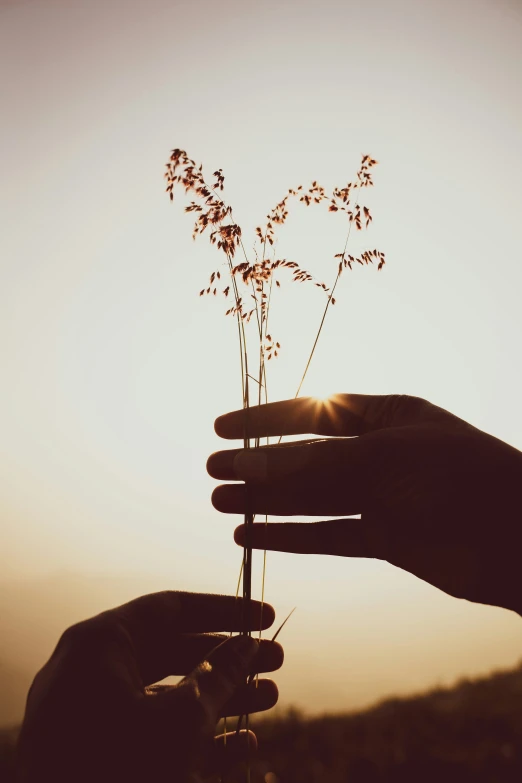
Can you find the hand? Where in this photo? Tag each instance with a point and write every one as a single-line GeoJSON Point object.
{"type": "Point", "coordinates": [437, 497]}
{"type": "Point", "coordinates": [91, 716]}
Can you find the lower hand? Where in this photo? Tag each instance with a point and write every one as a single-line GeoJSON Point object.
{"type": "Point", "coordinates": [91, 715]}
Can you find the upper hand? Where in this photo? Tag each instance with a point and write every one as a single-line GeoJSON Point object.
{"type": "Point", "coordinates": [437, 496]}
{"type": "Point", "coordinates": [91, 714]}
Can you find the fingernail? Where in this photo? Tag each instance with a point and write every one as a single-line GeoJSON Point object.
{"type": "Point", "coordinates": [251, 465]}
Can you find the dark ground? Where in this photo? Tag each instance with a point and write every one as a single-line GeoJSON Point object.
{"type": "Point", "coordinates": [472, 732]}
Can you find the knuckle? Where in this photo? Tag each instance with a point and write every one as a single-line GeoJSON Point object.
{"type": "Point", "coordinates": [393, 405]}
{"type": "Point", "coordinates": [88, 637]}
{"type": "Point", "coordinates": [413, 403]}
{"type": "Point", "coordinates": [399, 408]}
{"type": "Point", "coordinates": [74, 636]}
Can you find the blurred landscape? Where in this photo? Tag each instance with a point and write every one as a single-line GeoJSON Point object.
{"type": "Point", "coordinates": [471, 732]}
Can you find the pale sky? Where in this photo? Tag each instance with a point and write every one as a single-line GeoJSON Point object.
{"type": "Point", "coordinates": [113, 369]}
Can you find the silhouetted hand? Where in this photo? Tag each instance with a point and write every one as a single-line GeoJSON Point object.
{"type": "Point", "coordinates": [437, 497]}
{"type": "Point", "coordinates": [91, 716]}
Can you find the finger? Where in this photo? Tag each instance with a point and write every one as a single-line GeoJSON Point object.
{"type": "Point", "coordinates": [307, 461]}
{"type": "Point", "coordinates": [340, 414]}
{"type": "Point", "coordinates": [287, 499]}
{"type": "Point", "coordinates": [325, 477]}
{"type": "Point", "coordinates": [221, 465]}
{"type": "Point", "coordinates": [154, 622]}
{"type": "Point", "coordinates": [190, 613]}
{"type": "Point", "coordinates": [257, 696]}
{"type": "Point", "coordinates": [193, 648]}
{"type": "Point", "coordinates": [345, 537]}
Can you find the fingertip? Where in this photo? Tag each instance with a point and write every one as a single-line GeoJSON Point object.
{"type": "Point", "coordinates": [208, 466]}
{"type": "Point", "coordinates": [259, 537]}
{"type": "Point", "coordinates": [277, 655]}
{"type": "Point", "coordinates": [229, 498]}
{"type": "Point", "coordinates": [223, 428]}
{"type": "Point", "coordinates": [218, 426]}
{"type": "Point", "coordinates": [250, 740]}
{"type": "Point", "coordinates": [218, 497]}
{"type": "Point", "coordinates": [267, 694]}
{"type": "Point", "coordinates": [211, 465]}
{"type": "Point", "coordinates": [267, 616]}
{"type": "Point", "coordinates": [273, 690]}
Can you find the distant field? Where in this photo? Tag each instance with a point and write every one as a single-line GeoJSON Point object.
{"type": "Point", "coordinates": [472, 732]}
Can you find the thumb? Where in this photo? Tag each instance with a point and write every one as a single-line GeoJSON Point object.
{"type": "Point", "coordinates": [217, 678]}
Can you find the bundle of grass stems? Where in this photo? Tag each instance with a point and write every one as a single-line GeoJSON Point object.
{"type": "Point", "coordinates": [253, 280]}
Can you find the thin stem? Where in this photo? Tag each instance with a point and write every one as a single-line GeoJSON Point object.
{"type": "Point", "coordinates": [261, 356]}
{"type": "Point", "coordinates": [263, 578]}
{"type": "Point", "coordinates": [240, 327]}
{"type": "Point", "coordinates": [263, 584]}
{"type": "Point", "coordinates": [274, 637]}
{"type": "Point", "coordinates": [239, 580]}
{"type": "Point", "coordinates": [317, 335]}
{"type": "Point", "coordinates": [324, 315]}
{"type": "Point", "coordinates": [268, 302]}
{"type": "Point", "coordinates": [248, 519]}
{"type": "Point", "coordinates": [259, 322]}
{"type": "Point", "coordinates": [242, 246]}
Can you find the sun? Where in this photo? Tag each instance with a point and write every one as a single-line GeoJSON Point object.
{"type": "Point", "coordinates": [322, 399]}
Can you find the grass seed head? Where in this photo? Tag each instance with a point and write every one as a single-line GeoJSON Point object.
{"type": "Point", "coordinates": [226, 235]}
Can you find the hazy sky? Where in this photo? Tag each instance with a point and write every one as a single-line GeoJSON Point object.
{"type": "Point", "coordinates": [113, 370]}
